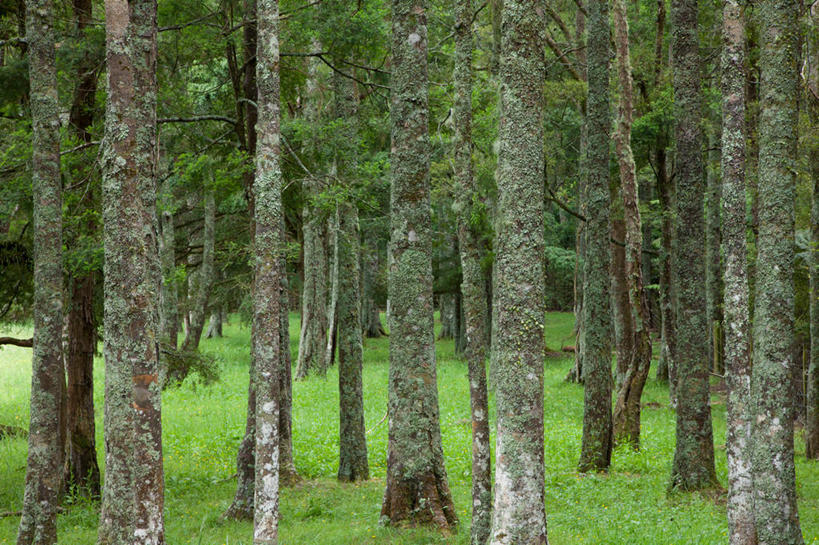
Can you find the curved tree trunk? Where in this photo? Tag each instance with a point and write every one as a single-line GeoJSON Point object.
{"type": "Point", "coordinates": [518, 306]}
{"type": "Point", "coordinates": [596, 447]}
{"type": "Point", "coordinates": [38, 524]}
{"type": "Point", "coordinates": [693, 466]}
{"type": "Point", "coordinates": [777, 518]}
{"type": "Point", "coordinates": [417, 489]}
{"type": "Point", "coordinates": [627, 407]}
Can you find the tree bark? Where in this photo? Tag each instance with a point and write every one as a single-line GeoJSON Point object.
{"type": "Point", "coordinates": [693, 466]}
{"type": "Point", "coordinates": [38, 523]}
{"type": "Point", "coordinates": [268, 248]}
{"type": "Point", "coordinates": [167, 256]}
{"type": "Point", "coordinates": [620, 307]}
{"type": "Point", "coordinates": [518, 306]}
{"type": "Point", "coordinates": [737, 317]}
{"type": "Point", "coordinates": [287, 467]}
{"type": "Point", "coordinates": [473, 284]}
{"type": "Point", "coordinates": [777, 518]}
{"type": "Point", "coordinates": [596, 446]}
{"type": "Point", "coordinates": [713, 266]}
{"type": "Point", "coordinates": [329, 352]}
{"type": "Point", "coordinates": [205, 277]}
{"type": "Point", "coordinates": [417, 489]}
{"type": "Point", "coordinates": [627, 407]}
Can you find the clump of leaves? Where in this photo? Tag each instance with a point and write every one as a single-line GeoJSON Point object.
{"type": "Point", "coordinates": [181, 364]}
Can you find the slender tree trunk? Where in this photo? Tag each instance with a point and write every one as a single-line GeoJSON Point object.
{"type": "Point", "coordinates": [472, 285]}
{"type": "Point", "coordinates": [287, 467]}
{"type": "Point", "coordinates": [167, 257]}
{"type": "Point", "coordinates": [332, 310]}
{"type": "Point", "coordinates": [517, 327]}
{"type": "Point", "coordinates": [666, 368]}
{"type": "Point", "coordinates": [777, 518]}
{"type": "Point", "coordinates": [737, 316]}
{"type": "Point", "coordinates": [353, 464]}
{"type": "Point", "coordinates": [693, 466]}
{"type": "Point", "coordinates": [268, 245]}
{"type": "Point", "coordinates": [446, 307]}
{"type": "Point", "coordinates": [621, 309]}
{"type": "Point", "coordinates": [417, 489]}
{"type": "Point", "coordinates": [713, 267]}
{"type": "Point", "coordinates": [373, 328]}
{"type": "Point", "coordinates": [205, 274]}
{"type": "Point", "coordinates": [38, 524]}
{"type": "Point", "coordinates": [812, 417]}
{"type": "Point", "coordinates": [627, 407]}
{"type": "Point", "coordinates": [596, 446]}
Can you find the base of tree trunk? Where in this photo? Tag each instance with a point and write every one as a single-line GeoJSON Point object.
{"type": "Point", "coordinates": [424, 500]}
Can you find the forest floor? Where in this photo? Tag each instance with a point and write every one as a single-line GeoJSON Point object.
{"type": "Point", "coordinates": [203, 425]}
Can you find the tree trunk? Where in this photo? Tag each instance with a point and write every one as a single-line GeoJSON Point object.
{"type": "Point", "coordinates": [38, 524]}
{"type": "Point", "coordinates": [693, 466]}
{"type": "Point", "coordinates": [242, 506]}
{"type": "Point", "coordinates": [737, 316]}
{"type": "Point", "coordinates": [812, 417]}
{"type": "Point", "coordinates": [621, 309]}
{"type": "Point", "coordinates": [214, 324]}
{"type": "Point", "coordinates": [168, 297]}
{"type": "Point", "coordinates": [268, 248]}
{"type": "Point", "coordinates": [472, 284]}
{"type": "Point", "coordinates": [713, 267]}
{"type": "Point", "coordinates": [373, 328]}
{"type": "Point", "coordinates": [627, 407]}
{"type": "Point", "coordinates": [417, 489]}
{"type": "Point", "coordinates": [517, 325]}
{"type": "Point", "coordinates": [777, 519]}
{"type": "Point", "coordinates": [287, 467]}
{"type": "Point", "coordinates": [205, 277]}
{"type": "Point", "coordinates": [596, 447]}
{"type": "Point", "coordinates": [446, 306]}
{"type": "Point", "coordinates": [667, 367]}
{"type": "Point", "coordinates": [332, 310]}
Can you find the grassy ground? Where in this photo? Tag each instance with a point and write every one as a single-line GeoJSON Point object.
{"type": "Point", "coordinates": [202, 427]}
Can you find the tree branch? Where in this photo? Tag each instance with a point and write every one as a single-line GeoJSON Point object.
{"type": "Point", "coordinates": [26, 343]}
{"type": "Point", "coordinates": [197, 119]}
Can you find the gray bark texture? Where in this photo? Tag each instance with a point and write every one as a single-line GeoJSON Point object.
{"type": "Point", "coordinates": [268, 245]}
{"type": "Point", "coordinates": [741, 526]}
{"type": "Point", "coordinates": [693, 466]}
{"type": "Point", "coordinates": [473, 285]}
{"type": "Point", "coordinates": [777, 518]}
{"type": "Point", "coordinates": [518, 306]}
{"type": "Point", "coordinates": [353, 464]}
{"type": "Point", "coordinates": [417, 489]}
{"type": "Point", "coordinates": [595, 453]}
{"type": "Point", "coordinates": [133, 493]}
{"type": "Point", "coordinates": [713, 259]}
{"type": "Point", "coordinates": [169, 302]}
{"type": "Point", "coordinates": [38, 524]}
{"type": "Point", "coordinates": [205, 276]}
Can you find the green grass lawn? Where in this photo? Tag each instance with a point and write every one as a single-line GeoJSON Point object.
{"type": "Point", "coordinates": [203, 425]}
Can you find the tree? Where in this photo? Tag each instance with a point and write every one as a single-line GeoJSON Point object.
{"type": "Point", "coordinates": [777, 518]}
{"type": "Point", "coordinates": [627, 407]}
{"type": "Point", "coordinates": [417, 488]}
{"type": "Point", "coordinates": [38, 524]}
{"type": "Point", "coordinates": [693, 466]}
{"type": "Point", "coordinates": [737, 315]}
{"type": "Point", "coordinates": [518, 282]}
{"type": "Point", "coordinates": [204, 285]}
{"type": "Point", "coordinates": [596, 447]}
{"type": "Point", "coordinates": [353, 464]}
{"type": "Point", "coordinates": [268, 244]}
{"type": "Point", "coordinates": [473, 285]}
{"type": "Point", "coordinates": [812, 417]}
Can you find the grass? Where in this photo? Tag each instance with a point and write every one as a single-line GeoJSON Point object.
{"type": "Point", "coordinates": [203, 425]}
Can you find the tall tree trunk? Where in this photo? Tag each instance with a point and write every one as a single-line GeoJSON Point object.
{"type": "Point", "coordinates": [353, 464]}
{"type": "Point", "coordinates": [472, 285]}
{"type": "Point", "coordinates": [777, 519]}
{"type": "Point", "coordinates": [82, 469]}
{"type": "Point", "coordinates": [517, 326]}
{"type": "Point", "coordinates": [737, 317]}
{"type": "Point", "coordinates": [620, 307]}
{"type": "Point", "coordinates": [332, 307]}
{"type": "Point", "coordinates": [417, 489]}
{"type": "Point", "coordinates": [313, 337]}
{"type": "Point", "coordinates": [812, 417]}
{"type": "Point", "coordinates": [627, 407]}
{"type": "Point", "coordinates": [596, 446]}
{"type": "Point", "coordinates": [693, 465]}
{"type": "Point", "coordinates": [373, 328]}
{"type": "Point", "coordinates": [667, 367]}
{"type": "Point", "coordinates": [167, 256]}
{"type": "Point", "coordinates": [205, 277]}
{"type": "Point", "coordinates": [268, 246]}
{"type": "Point", "coordinates": [38, 524]}
{"type": "Point", "coordinates": [287, 467]}
{"type": "Point", "coordinates": [713, 266]}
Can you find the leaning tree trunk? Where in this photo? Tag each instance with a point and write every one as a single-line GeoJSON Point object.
{"type": "Point", "coordinates": [518, 306]}
{"type": "Point", "coordinates": [472, 285]}
{"type": "Point", "coordinates": [205, 274]}
{"type": "Point", "coordinates": [596, 447]}
{"type": "Point", "coordinates": [627, 407]}
{"type": "Point", "coordinates": [737, 316]}
{"type": "Point", "coordinates": [268, 246]}
{"type": "Point", "coordinates": [777, 518]}
{"type": "Point", "coordinates": [38, 524]}
{"type": "Point", "coordinates": [812, 417]}
{"type": "Point", "coordinates": [693, 465]}
{"type": "Point", "coordinates": [353, 464]}
{"type": "Point", "coordinates": [417, 489]}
